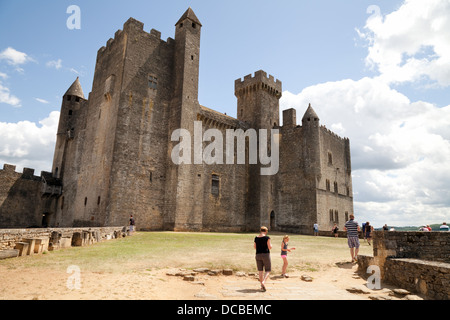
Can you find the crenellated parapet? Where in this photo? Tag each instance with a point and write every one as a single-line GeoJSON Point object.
{"type": "Point", "coordinates": [135, 28]}
{"type": "Point", "coordinates": [260, 81]}
{"type": "Point", "coordinates": [332, 134]}
{"type": "Point", "coordinates": [26, 174]}
{"type": "Point", "coordinates": [51, 185]}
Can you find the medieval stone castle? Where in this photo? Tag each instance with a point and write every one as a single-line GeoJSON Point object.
{"type": "Point", "coordinates": [113, 151]}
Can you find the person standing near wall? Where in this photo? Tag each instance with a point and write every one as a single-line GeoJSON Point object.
{"type": "Point", "coordinates": [444, 227]}
{"type": "Point", "coordinates": [132, 224]}
{"type": "Point", "coordinates": [316, 229]}
{"type": "Point", "coordinates": [353, 229]}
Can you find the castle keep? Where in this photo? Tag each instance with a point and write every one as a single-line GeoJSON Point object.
{"type": "Point", "coordinates": [113, 151]}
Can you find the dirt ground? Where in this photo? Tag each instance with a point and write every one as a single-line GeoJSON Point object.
{"type": "Point", "coordinates": [147, 277]}
{"type": "Point", "coordinates": [329, 283]}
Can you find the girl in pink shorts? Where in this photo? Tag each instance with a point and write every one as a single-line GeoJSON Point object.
{"type": "Point", "coordinates": [284, 252]}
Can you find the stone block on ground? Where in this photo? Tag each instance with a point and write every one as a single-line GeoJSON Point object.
{"type": "Point", "coordinates": [6, 254]}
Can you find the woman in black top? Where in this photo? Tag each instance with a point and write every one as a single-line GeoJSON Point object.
{"type": "Point", "coordinates": [262, 245]}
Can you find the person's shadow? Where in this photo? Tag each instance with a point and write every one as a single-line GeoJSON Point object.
{"type": "Point", "coordinates": [345, 265]}
{"type": "Point", "coordinates": [249, 290]}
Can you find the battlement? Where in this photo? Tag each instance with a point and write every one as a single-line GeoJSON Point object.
{"type": "Point", "coordinates": [260, 81]}
{"type": "Point", "coordinates": [331, 133]}
{"type": "Point", "coordinates": [26, 173]}
{"type": "Point", "coordinates": [133, 26]}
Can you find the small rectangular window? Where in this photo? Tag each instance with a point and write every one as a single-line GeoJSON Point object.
{"type": "Point", "coordinates": [152, 82]}
{"type": "Point", "coordinates": [215, 185]}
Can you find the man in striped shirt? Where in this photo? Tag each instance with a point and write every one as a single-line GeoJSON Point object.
{"type": "Point", "coordinates": [353, 230]}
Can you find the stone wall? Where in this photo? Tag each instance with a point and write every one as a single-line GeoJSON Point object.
{"type": "Point", "coordinates": [21, 205]}
{"type": "Point", "coordinates": [429, 278]}
{"type": "Point", "coordinates": [416, 261]}
{"type": "Point", "coordinates": [432, 246]}
{"type": "Point", "coordinates": [56, 238]}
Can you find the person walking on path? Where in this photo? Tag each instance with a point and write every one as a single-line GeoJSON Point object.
{"type": "Point", "coordinates": [335, 230]}
{"type": "Point", "coordinates": [368, 232]}
{"type": "Point", "coordinates": [352, 228]}
{"type": "Point", "coordinates": [284, 252]}
{"type": "Point", "coordinates": [263, 246]}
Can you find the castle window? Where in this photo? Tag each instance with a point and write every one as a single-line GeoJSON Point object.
{"type": "Point", "coordinates": [152, 82]}
{"type": "Point", "coordinates": [194, 25]}
{"type": "Point", "coordinates": [215, 184]}
{"type": "Point", "coordinates": [192, 58]}
{"type": "Point", "coordinates": [331, 215]}
{"type": "Point", "coordinates": [348, 191]}
{"type": "Point", "coordinates": [70, 112]}
{"type": "Point", "coordinates": [151, 176]}
{"type": "Point", "coordinates": [98, 200]}
{"type": "Point", "coordinates": [85, 201]}
{"type": "Point", "coordinates": [181, 25]}
{"type": "Point", "coordinates": [77, 99]}
{"type": "Point", "coordinates": [336, 216]}
{"type": "Point", "coordinates": [328, 185]}
{"type": "Point", "coordinates": [62, 203]}
{"type": "Point", "coordinates": [336, 187]}
{"type": "Point", "coordinates": [346, 215]}
{"type": "Point", "coordinates": [330, 158]}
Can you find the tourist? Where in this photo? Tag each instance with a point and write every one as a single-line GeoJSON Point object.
{"type": "Point", "coordinates": [132, 224]}
{"type": "Point", "coordinates": [284, 252]}
{"type": "Point", "coordinates": [316, 229]}
{"type": "Point", "coordinates": [352, 229]}
{"type": "Point", "coordinates": [364, 231]}
{"type": "Point", "coordinates": [335, 230]}
{"type": "Point", "coordinates": [385, 227]}
{"type": "Point", "coordinates": [444, 227]}
{"type": "Point", "coordinates": [368, 232]}
{"type": "Point", "coordinates": [262, 245]}
{"type": "Point", "coordinates": [429, 228]}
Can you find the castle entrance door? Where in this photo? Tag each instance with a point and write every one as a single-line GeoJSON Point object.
{"type": "Point", "coordinates": [272, 220]}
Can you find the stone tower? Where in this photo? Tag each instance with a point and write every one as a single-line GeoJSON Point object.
{"type": "Point", "coordinates": [184, 108]}
{"type": "Point", "coordinates": [311, 143]}
{"type": "Point", "coordinates": [258, 106]}
{"type": "Point", "coordinates": [70, 111]}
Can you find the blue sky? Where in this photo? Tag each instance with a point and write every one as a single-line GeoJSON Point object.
{"type": "Point", "coordinates": [377, 72]}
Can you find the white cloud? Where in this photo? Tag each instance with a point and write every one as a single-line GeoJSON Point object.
{"type": "Point", "coordinates": [41, 100]}
{"type": "Point", "coordinates": [14, 57]}
{"type": "Point", "coordinates": [3, 75]}
{"type": "Point", "coordinates": [400, 149]}
{"type": "Point", "coordinates": [57, 64]}
{"type": "Point", "coordinates": [27, 144]}
{"type": "Point", "coordinates": [7, 97]}
{"type": "Point", "coordinates": [411, 44]}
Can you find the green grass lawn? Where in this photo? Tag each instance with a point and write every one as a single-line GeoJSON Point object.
{"type": "Point", "coordinates": [155, 250]}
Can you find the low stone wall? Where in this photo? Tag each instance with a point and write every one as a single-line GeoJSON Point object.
{"type": "Point", "coordinates": [431, 246]}
{"type": "Point", "coordinates": [429, 278]}
{"type": "Point", "coordinates": [415, 260]}
{"type": "Point", "coordinates": [31, 241]}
